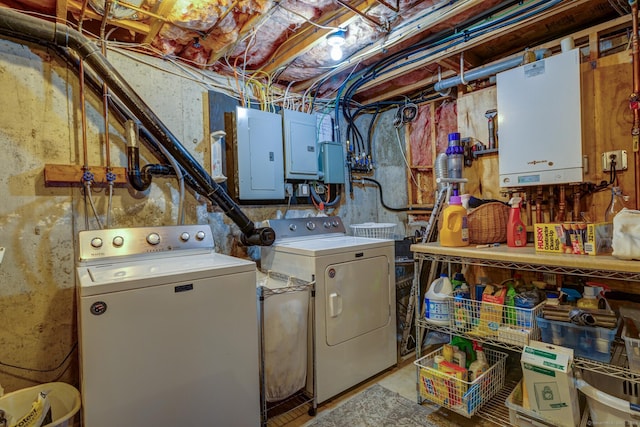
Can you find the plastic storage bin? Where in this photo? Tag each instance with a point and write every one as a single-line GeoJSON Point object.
{"type": "Point", "coordinates": [521, 417]}
{"type": "Point", "coordinates": [512, 325]}
{"type": "Point", "coordinates": [64, 399]}
{"type": "Point", "coordinates": [633, 350]}
{"type": "Point", "coordinates": [463, 397]}
{"type": "Point", "coordinates": [607, 410]}
{"type": "Point", "coordinates": [590, 342]}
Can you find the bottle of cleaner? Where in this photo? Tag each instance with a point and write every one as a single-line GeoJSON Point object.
{"type": "Point", "coordinates": [516, 231]}
{"type": "Point", "coordinates": [510, 303]}
{"type": "Point", "coordinates": [454, 230]}
{"type": "Point", "coordinates": [589, 298]}
{"type": "Point", "coordinates": [436, 304]}
{"type": "Point", "coordinates": [480, 365]}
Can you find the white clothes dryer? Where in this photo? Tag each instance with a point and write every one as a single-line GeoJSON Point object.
{"type": "Point", "coordinates": [355, 321]}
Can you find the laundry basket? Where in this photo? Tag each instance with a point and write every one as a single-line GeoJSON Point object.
{"type": "Point", "coordinates": [64, 400]}
{"type": "Point", "coordinates": [376, 230]}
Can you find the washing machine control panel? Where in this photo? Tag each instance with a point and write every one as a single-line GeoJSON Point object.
{"type": "Point", "coordinates": [116, 242]}
{"type": "Point", "coordinates": [307, 227]}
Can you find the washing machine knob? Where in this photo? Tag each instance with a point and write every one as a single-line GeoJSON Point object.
{"type": "Point", "coordinates": [293, 227]}
{"type": "Point", "coordinates": [326, 224]}
{"type": "Point", "coordinates": [335, 223]}
{"type": "Point", "coordinates": [118, 241]}
{"type": "Point", "coordinates": [200, 235]}
{"type": "Point", "coordinates": [96, 242]}
{"type": "Point", "coordinates": [311, 225]}
{"type": "Point", "coordinates": [185, 236]}
{"type": "Point", "coordinates": [153, 238]}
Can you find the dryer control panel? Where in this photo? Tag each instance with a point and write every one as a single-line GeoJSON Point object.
{"type": "Point", "coordinates": [318, 226]}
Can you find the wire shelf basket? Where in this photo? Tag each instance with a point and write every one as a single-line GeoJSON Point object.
{"type": "Point", "coordinates": [376, 230]}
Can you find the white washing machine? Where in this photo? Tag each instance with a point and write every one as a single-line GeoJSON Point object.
{"type": "Point", "coordinates": [168, 330]}
{"type": "Point", "coordinates": [355, 303]}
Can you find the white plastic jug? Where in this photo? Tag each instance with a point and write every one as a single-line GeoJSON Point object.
{"type": "Point", "coordinates": [436, 304]}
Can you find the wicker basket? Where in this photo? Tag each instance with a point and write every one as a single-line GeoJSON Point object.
{"type": "Point", "coordinates": [488, 223]}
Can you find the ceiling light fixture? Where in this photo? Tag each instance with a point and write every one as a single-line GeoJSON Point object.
{"type": "Point", "coordinates": [336, 40]}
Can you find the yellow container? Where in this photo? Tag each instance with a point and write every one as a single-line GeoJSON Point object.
{"type": "Point", "coordinates": [454, 230]}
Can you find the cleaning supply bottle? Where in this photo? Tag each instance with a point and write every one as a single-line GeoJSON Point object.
{"type": "Point", "coordinates": [460, 314]}
{"type": "Point", "coordinates": [460, 286]}
{"type": "Point", "coordinates": [510, 303]}
{"type": "Point", "coordinates": [454, 230]}
{"type": "Point", "coordinates": [436, 304]}
{"type": "Point", "coordinates": [516, 231]}
{"type": "Point", "coordinates": [480, 365]}
{"type": "Point", "coordinates": [589, 298]}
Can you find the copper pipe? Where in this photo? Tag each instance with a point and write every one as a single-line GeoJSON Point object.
{"type": "Point", "coordinates": [539, 218]}
{"type": "Point", "coordinates": [635, 97]}
{"type": "Point", "coordinates": [105, 88]}
{"type": "Point", "coordinates": [575, 214]}
{"type": "Point", "coordinates": [82, 12]}
{"type": "Point", "coordinates": [384, 26]}
{"type": "Point", "coordinates": [83, 116]}
{"type": "Point", "coordinates": [561, 205]}
{"type": "Point", "coordinates": [395, 8]}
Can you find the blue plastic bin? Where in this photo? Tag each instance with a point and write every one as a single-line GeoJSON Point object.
{"type": "Point", "coordinates": [591, 342]}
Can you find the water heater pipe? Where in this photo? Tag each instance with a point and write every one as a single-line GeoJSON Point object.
{"type": "Point", "coordinates": [483, 72]}
{"type": "Point", "coordinates": [635, 97]}
{"type": "Point", "coordinates": [24, 27]}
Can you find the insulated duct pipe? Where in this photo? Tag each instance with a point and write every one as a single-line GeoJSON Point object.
{"type": "Point", "coordinates": [20, 26]}
{"type": "Point", "coordinates": [482, 72]}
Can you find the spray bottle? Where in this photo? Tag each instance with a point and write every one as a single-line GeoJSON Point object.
{"type": "Point", "coordinates": [516, 231]}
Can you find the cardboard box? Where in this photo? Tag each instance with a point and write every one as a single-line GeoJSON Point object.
{"type": "Point", "coordinates": [548, 375]}
{"type": "Point", "coordinates": [574, 237]}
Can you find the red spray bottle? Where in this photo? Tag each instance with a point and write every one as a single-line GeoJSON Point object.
{"type": "Point", "coordinates": [516, 231]}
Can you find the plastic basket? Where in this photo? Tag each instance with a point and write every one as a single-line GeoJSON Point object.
{"type": "Point", "coordinates": [512, 325]}
{"type": "Point", "coordinates": [459, 395]}
{"type": "Point", "coordinates": [521, 417]}
{"type": "Point", "coordinates": [64, 399]}
{"type": "Point", "coordinates": [376, 230]}
{"type": "Point", "coordinates": [633, 350]}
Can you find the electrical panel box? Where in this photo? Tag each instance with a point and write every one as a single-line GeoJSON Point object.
{"type": "Point", "coordinates": [539, 122]}
{"type": "Point", "coordinates": [260, 155]}
{"type": "Point", "coordinates": [331, 163]}
{"type": "Point", "coordinates": [300, 145]}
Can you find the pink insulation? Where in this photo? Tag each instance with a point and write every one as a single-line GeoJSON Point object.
{"type": "Point", "coordinates": [420, 137]}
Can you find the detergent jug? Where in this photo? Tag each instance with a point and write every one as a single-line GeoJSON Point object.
{"type": "Point", "coordinates": [454, 230]}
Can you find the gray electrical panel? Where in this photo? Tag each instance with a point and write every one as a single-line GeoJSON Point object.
{"type": "Point", "coordinates": [260, 155]}
{"type": "Point", "coordinates": [331, 162]}
{"type": "Point", "coordinates": [300, 147]}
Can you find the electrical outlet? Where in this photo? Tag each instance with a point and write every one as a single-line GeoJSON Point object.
{"type": "Point", "coordinates": [288, 189]}
{"type": "Point", "coordinates": [619, 156]}
{"type": "Point", "coordinates": [302, 190]}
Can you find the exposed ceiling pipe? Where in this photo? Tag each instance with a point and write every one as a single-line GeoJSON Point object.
{"type": "Point", "coordinates": [24, 27]}
{"type": "Point", "coordinates": [483, 72]}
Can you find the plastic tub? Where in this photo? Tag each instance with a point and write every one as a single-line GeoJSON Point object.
{"type": "Point", "coordinates": [607, 410]}
{"type": "Point", "coordinates": [64, 399]}
{"type": "Point", "coordinates": [590, 342]}
{"type": "Point", "coordinates": [521, 417]}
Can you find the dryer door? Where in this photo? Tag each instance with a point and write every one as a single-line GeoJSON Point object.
{"type": "Point", "coordinates": [357, 298]}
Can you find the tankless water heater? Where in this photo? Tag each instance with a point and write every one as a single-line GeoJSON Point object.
{"type": "Point", "coordinates": [539, 122]}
